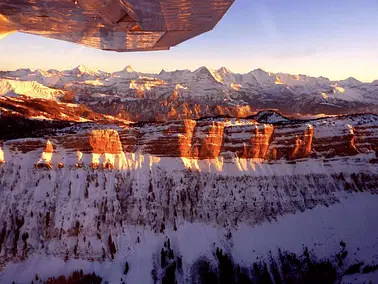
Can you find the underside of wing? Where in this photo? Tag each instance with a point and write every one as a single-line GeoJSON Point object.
{"type": "Point", "coordinates": [118, 25]}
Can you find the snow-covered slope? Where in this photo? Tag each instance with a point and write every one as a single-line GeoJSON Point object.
{"type": "Point", "coordinates": [28, 88]}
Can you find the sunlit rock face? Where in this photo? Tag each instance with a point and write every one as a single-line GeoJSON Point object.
{"type": "Point", "coordinates": [247, 141]}
{"type": "Point", "coordinates": [329, 146]}
{"type": "Point", "coordinates": [172, 139]}
{"type": "Point", "coordinates": [93, 142]}
{"type": "Point", "coordinates": [105, 141]}
{"type": "Point", "coordinates": [291, 143]}
{"type": "Point", "coordinates": [207, 140]}
{"type": "Point", "coordinates": [222, 138]}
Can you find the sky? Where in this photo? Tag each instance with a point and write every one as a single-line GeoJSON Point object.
{"type": "Point", "coordinates": [331, 38]}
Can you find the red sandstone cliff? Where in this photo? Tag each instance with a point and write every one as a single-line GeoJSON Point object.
{"type": "Point", "coordinates": [224, 138]}
{"type": "Point", "coordinates": [207, 140]}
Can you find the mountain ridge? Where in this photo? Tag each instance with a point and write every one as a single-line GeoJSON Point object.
{"type": "Point", "coordinates": [223, 69]}
{"type": "Point", "coordinates": [204, 92]}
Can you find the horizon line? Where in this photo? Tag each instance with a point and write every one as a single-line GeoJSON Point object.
{"type": "Point", "coordinates": [190, 70]}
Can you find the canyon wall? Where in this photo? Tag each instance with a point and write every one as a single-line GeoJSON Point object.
{"type": "Point", "coordinates": [76, 194]}
{"type": "Point", "coordinates": [222, 138]}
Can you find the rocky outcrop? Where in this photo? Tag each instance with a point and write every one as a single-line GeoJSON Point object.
{"type": "Point", "coordinates": [105, 141]}
{"type": "Point", "coordinates": [207, 140]}
{"type": "Point", "coordinates": [26, 145]}
{"type": "Point", "coordinates": [226, 138]}
{"type": "Point", "coordinates": [171, 139]}
{"type": "Point", "coordinates": [249, 141]}
{"type": "Point", "coordinates": [129, 138]}
{"type": "Point", "coordinates": [366, 137]}
{"type": "Point", "coordinates": [94, 142]}
{"type": "Point", "coordinates": [335, 141]}
{"type": "Point", "coordinates": [294, 142]}
{"type": "Point", "coordinates": [49, 148]}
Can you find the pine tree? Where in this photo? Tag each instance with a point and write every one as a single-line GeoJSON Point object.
{"type": "Point", "coordinates": [126, 268]}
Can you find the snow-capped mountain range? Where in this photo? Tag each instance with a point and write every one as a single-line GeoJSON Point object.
{"type": "Point", "coordinates": [204, 92]}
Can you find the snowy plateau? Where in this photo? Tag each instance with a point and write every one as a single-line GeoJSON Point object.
{"type": "Point", "coordinates": [187, 177]}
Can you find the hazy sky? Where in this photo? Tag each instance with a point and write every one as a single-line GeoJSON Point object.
{"type": "Point", "coordinates": [332, 38]}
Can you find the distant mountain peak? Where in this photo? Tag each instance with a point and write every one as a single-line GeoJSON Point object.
{"type": "Point", "coordinates": [202, 69]}
{"type": "Point", "coordinates": [206, 74]}
{"type": "Point", "coordinates": [259, 70]}
{"type": "Point", "coordinates": [21, 72]}
{"type": "Point", "coordinates": [26, 70]}
{"type": "Point", "coordinates": [350, 81]}
{"type": "Point", "coordinates": [128, 69]}
{"type": "Point", "coordinates": [82, 69]}
{"type": "Point", "coordinates": [224, 70]}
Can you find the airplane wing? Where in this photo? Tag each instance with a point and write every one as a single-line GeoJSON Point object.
{"type": "Point", "coordinates": [118, 25]}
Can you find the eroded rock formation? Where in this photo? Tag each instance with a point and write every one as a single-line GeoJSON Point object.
{"type": "Point", "coordinates": [207, 139]}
